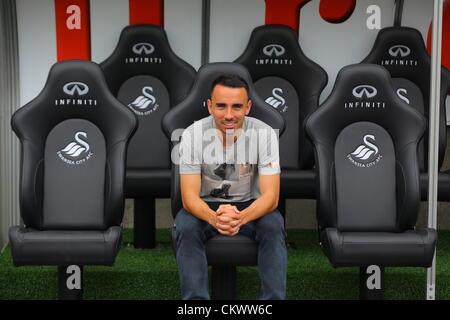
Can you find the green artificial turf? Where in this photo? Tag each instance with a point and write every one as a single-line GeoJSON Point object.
{"type": "Point", "coordinates": [152, 274]}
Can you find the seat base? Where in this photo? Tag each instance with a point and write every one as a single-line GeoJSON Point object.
{"type": "Point", "coordinates": [62, 248]}
{"type": "Point", "coordinates": [226, 251]}
{"type": "Point", "coordinates": [357, 249]}
{"type": "Point", "coordinates": [237, 250]}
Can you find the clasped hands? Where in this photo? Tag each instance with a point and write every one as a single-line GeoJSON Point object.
{"type": "Point", "coordinates": [228, 220]}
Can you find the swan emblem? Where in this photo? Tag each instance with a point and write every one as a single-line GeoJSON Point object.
{"type": "Point", "coordinates": [403, 94]}
{"type": "Point", "coordinates": [366, 150]}
{"type": "Point", "coordinates": [143, 101]}
{"type": "Point", "coordinates": [74, 149]}
{"type": "Point", "coordinates": [276, 100]}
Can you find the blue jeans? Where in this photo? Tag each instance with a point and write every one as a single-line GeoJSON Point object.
{"type": "Point", "coordinates": [192, 233]}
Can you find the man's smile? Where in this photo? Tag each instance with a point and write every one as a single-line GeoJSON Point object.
{"type": "Point", "coordinates": [229, 124]}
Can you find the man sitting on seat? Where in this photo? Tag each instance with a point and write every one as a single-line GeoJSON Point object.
{"type": "Point", "coordinates": [230, 184]}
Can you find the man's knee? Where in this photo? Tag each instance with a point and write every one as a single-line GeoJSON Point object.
{"type": "Point", "coordinates": [271, 224]}
{"type": "Point", "coordinates": [187, 225]}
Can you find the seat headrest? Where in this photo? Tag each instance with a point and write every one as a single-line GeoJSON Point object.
{"type": "Point", "coordinates": [402, 51]}
{"type": "Point", "coordinates": [275, 50]}
{"type": "Point", "coordinates": [290, 82]}
{"type": "Point", "coordinates": [194, 107]}
{"type": "Point", "coordinates": [145, 50]}
{"type": "Point", "coordinates": [365, 92]}
{"type": "Point", "coordinates": [74, 89]}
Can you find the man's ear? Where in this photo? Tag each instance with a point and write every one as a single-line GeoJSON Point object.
{"type": "Point", "coordinates": [249, 106]}
{"type": "Point", "coordinates": [209, 103]}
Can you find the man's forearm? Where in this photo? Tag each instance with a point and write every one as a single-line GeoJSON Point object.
{"type": "Point", "coordinates": [259, 207]}
{"type": "Point", "coordinates": [199, 208]}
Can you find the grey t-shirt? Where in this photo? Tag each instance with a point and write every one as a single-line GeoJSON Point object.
{"type": "Point", "coordinates": [229, 174]}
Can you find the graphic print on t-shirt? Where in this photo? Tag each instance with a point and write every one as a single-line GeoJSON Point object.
{"type": "Point", "coordinates": [227, 181]}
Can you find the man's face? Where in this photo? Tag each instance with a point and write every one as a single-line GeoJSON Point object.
{"type": "Point", "coordinates": [229, 106]}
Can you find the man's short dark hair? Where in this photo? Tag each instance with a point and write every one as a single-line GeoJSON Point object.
{"type": "Point", "coordinates": [230, 81]}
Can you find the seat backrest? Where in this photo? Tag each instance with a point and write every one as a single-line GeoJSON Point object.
{"type": "Point", "coordinates": [74, 137]}
{"type": "Point", "coordinates": [194, 108]}
{"type": "Point", "coordinates": [366, 138]}
{"type": "Point", "coordinates": [288, 81]}
{"type": "Point", "coordinates": [149, 78]}
{"type": "Point", "coordinates": [412, 95]}
{"type": "Point", "coordinates": [402, 51]}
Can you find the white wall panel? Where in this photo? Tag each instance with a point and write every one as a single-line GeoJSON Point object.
{"type": "Point", "coordinates": [334, 46]}
{"type": "Point", "coordinates": [37, 45]}
{"type": "Point", "coordinates": [108, 18]}
{"type": "Point", "coordinates": [37, 35]}
{"type": "Point", "coordinates": [182, 20]}
{"type": "Point", "coordinates": [9, 102]}
{"type": "Point", "coordinates": [418, 14]}
{"type": "Point", "coordinates": [183, 24]}
{"type": "Point", "coordinates": [232, 22]}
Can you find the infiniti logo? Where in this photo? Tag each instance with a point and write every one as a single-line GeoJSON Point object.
{"type": "Point", "coordinates": [364, 90]}
{"type": "Point", "coordinates": [76, 87]}
{"type": "Point", "coordinates": [274, 49]}
{"type": "Point", "coordinates": [399, 50]}
{"type": "Point", "coordinates": [143, 48]}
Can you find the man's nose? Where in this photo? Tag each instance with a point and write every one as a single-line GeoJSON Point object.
{"type": "Point", "coordinates": [229, 114]}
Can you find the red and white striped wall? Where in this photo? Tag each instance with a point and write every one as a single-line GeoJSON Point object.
{"type": "Point", "coordinates": [45, 37]}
